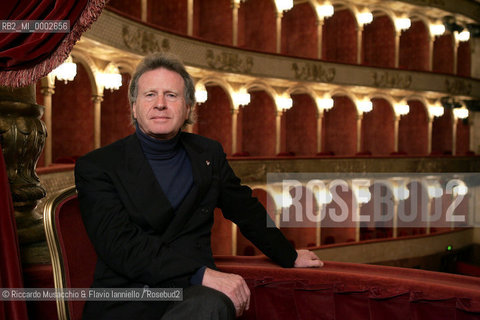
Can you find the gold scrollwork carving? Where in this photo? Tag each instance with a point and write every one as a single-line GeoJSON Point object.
{"type": "Point", "coordinates": [144, 41]}
{"type": "Point", "coordinates": [22, 137]}
{"type": "Point", "coordinates": [391, 80]}
{"type": "Point", "coordinates": [230, 62]}
{"type": "Point", "coordinates": [457, 86]}
{"type": "Point", "coordinates": [313, 72]}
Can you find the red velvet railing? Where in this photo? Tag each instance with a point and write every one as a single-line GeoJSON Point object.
{"type": "Point", "coordinates": [336, 291]}
{"type": "Point", "coordinates": [354, 291]}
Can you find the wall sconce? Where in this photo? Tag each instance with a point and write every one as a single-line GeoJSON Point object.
{"type": "Point", "coordinates": [284, 5]}
{"type": "Point", "coordinates": [459, 188]}
{"type": "Point", "coordinates": [66, 71]}
{"type": "Point", "coordinates": [434, 188]}
{"type": "Point", "coordinates": [460, 113]}
{"type": "Point", "coordinates": [320, 191]}
{"type": "Point", "coordinates": [437, 29]}
{"type": "Point", "coordinates": [241, 98]}
{"type": "Point", "coordinates": [401, 109]}
{"type": "Point", "coordinates": [201, 94]}
{"type": "Point", "coordinates": [364, 18]}
{"type": "Point", "coordinates": [436, 110]}
{"type": "Point", "coordinates": [364, 105]}
{"type": "Point", "coordinates": [325, 103]}
{"type": "Point", "coordinates": [360, 188]}
{"type": "Point", "coordinates": [462, 36]}
{"type": "Point", "coordinates": [399, 189]}
{"type": "Point", "coordinates": [402, 23]}
{"type": "Point", "coordinates": [283, 102]}
{"type": "Point", "coordinates": [325, 10]}
{"type": "Point", "coordinates": [110, 78]}
{"type": "Point", "coordinates": [282, 199]}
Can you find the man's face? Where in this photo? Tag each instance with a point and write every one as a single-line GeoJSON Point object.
{"type": "Point", "coordinates": [160, 109]}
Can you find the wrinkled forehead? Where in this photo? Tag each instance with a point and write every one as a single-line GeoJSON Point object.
{"type": "Point", "coordinates": [163, 79]}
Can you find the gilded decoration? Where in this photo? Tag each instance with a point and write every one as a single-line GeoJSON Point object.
{"type": "Point", "coordinates": [144, 41]}
{"type": "Point", "coordinates": [391, 80]}
{"type": "Point", "coordinates": [22, 136]}
{"type": "Point", "coordinates": [457, 86]}
{"type": "Point", "coordinates": [313, 72]}
{"type": "Point", "coordinates": [230, 62]}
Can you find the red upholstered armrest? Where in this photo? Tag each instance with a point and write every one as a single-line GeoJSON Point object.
{"type": "Point", "coordinates": [353, 291]}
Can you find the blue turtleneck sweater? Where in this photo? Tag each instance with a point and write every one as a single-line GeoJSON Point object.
{"type": "Point", "coordinates": [170, 164]}
{"type": "Point", "coordinates": [173, 171]}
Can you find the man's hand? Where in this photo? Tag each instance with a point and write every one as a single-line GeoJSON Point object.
{"type": "Point", "coordinates": [233, 285]}
{"type": "Point", "coordinates": [307, 259]}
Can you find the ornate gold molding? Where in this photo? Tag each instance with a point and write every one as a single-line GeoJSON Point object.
{"type": "Point", "coordinates": [385, 79]}
{"type": "Point", "coordinates": [313, 72]}
{"type": "Point", "coordinates": [22, 134]}
{"type": "Point", "coordinates": [106, 39]}
{"type": "Point", "coordinates": [467, 8]}
{"type": "Point", "coordinates": [22, 137]}
{"type": "Point", "coordinates": [458, 86]}
{"type": "Point", "coordinates": [230, 62]}
{"type": "Point", "coordinates": [144, 41]}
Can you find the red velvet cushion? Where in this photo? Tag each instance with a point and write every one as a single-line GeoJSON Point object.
{"type": "Point", "coordinates": [78, 253]}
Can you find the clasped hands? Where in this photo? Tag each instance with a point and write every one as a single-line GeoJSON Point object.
{"type": "Point", "coordinates": [235, 287]}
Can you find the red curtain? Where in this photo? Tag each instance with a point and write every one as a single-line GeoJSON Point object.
{"type": "Point", "coordinates": [10, 268]}
{"type": "Point", "coordinates": [27, 57]}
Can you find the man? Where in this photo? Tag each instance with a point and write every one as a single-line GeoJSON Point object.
{"type": "Point", "coordinates": [147, 202]}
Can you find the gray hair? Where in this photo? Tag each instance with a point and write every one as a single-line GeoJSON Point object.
{"type": "Point", "coordinates": [166, 61]}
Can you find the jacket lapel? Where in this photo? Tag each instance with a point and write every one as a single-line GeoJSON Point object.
{"type": "Point", "coordinates": [146, 194]}
{"type": "Point", "coordinates": [202, 177]}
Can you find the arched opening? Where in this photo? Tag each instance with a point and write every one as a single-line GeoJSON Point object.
{"type": "Point", "coordinates": [301, 126]}
{"type": "Point", "coordinates": [413, 130]}
{"type": "Point", "coordinates": [414, 47]}
{"type": "Point", "coordinates": [258, 125]}
{"type": "Point", "coordinates": [170, 15]}
{"type": "Point", "coordinates": [214, 119]}
{"type": "Point", "coordinates": [259, 26]}
{"type": "Point", "coordinates": [340, 38]}
{"type": "Point", "coordinates": [116, 119]}
{"type": "Point", "coordinates": [379, 53]}
{"type": "Point", "coordinates": [378, 129]}
{"type": "Point", "coordinates": [340, 124]}
{"type": "Point", "coordinates": [299, 32]}
{"type": "Point", "coordinates": [68, 144]}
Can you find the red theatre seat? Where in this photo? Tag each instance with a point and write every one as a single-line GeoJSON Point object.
{"type": "Point", "coordinates": [73, 256]}
{"type": "Point", "coordinates": [336, 291]}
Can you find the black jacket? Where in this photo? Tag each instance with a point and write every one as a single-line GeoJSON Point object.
{"type": "Point", "coordinates": [141, 240]}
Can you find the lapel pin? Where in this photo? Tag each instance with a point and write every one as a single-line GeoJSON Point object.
{"type": "Point", "coordinates": [207, 162]}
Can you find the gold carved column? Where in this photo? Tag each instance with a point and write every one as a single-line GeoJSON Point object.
{"type": "Point", "coordinates": [47, 90]}
{"type": "Point", "coordinates": [278, 132]}
{"type": "Point", "coordinates": [319, 130]}
{"type": "Point", "coordinates": [22, 137]}
{"type": "Point", "coordinates": [359, 131]}
{"type": "Point", "coordinates": [235, 112]}
{"type": "Point", "coordinates": [235, 7]}
{"type": "Point", "coordinates": [97, 119]}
